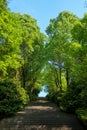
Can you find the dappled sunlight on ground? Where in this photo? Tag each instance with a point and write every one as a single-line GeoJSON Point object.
{"type": "Point", "coordinates": [41, 115]}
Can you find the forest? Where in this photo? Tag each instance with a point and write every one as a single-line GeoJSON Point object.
{"type": "Point", "coordinates": [30, 59]}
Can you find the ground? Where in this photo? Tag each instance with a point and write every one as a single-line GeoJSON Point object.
{"type": "Point", "coordinates": [41, 115]}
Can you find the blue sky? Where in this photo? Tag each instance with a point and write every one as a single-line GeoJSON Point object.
{"type": "Point", "coordinates": [44, 10]}
{"type": "Point", "coordinates": [43, 93]}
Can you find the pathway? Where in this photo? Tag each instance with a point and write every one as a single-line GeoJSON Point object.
{"type": "Point", "coordinates": [41, 115]}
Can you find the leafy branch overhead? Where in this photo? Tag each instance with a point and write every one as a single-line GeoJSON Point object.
{"type": "Point", "coordinates": [29, 60]}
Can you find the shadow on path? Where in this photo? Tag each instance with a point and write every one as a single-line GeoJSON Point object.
{"type": "Point", "coordinates": [41, 115]}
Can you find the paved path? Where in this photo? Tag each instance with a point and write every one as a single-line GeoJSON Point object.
{"type": "Point", "coordinates": [41, 115]}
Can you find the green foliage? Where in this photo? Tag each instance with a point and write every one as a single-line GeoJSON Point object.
{"type": "Point", "coordinates": [10, 38]}
{"type": "Point", "coordinates": [12, 97]}
{"type": "Point", "coordinates": [21, 49]}
{"type": "Point", "coordinates": [74, 97]}
{"type": "Point", "coordinates": [27, 56]}
{"type": "Point", "coordinates": [3, 5]}
{"type": "Point", "coordinates": [82, 115]}
{"type": "Point", "coordinates": [32, 96]}
{"type": "Point", "coordinates": [34, 91]}
{"type": "Point", "coordinates": [67, 59]}
{"type": "Point", "coordinates": [56, 97]}
{"type": "Point", "coordinates": [60, 40]}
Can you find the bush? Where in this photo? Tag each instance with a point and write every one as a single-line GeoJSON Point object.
{"type": "Point", "coordinates": [56, 97]}
{"type": "Point", "coordinates": [34, 94]}
{"type": "Point", "coordinates": [82, 115]}
{"type": "Point", "coordinates": [32, 97]}
{"type": "Point", "coordinates": [83, 96]}
{"type": "Point", "coordinates": [72, 98]}
{"type": "Point", "coordinates": [12, 97]}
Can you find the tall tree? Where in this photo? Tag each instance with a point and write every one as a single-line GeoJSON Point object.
{"type": "Point", "coordinates": [31, 52]}
{"type": "Point", "coordinates": [10, 38]}
{"type": "Point", "coordinates": [60, 38]}
{"type": "Point", "coordinates": [79, 33]}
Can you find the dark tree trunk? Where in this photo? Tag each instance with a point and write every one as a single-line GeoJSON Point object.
{"type": "Point", "coordinates": [60, 73]}
{"type": "Point", "coordinates": [32, 84]}
{"type": "Point", "coordinates": [67, 77]}
{"type": "Point", "coordinates": [23, 77]}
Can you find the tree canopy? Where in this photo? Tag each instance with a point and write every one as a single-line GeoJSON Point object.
{"type": "Point", "coordinates": [21, 59]}
{"type": "Point", "coordinates": [29, 60]}
{"type": "Point", "coordinates": [66, 52]}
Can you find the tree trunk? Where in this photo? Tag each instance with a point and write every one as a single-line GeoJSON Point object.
{"type": "Point", "coordinates": [67, 77]}
{"type": "Point", "coordinates": [56, 78]}
{"type": "Point", "coordinates": [60, 75]}
{"type": "Point", "coordinates": [23, 77]}
{"type": "Point", "coordinates": [17, 74]}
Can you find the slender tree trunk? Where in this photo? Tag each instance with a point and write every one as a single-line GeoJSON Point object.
{"type": "Point", "coordinates": [67, 77]}
{"type": "Point", "coordinates": [23, 77]}
{"type": "Point", "coordinates": [17, 74]}
{"type": "Point", "coordinates": [56, 79]}
{"type": "Point", "coordinates": [60, 75]}
{"type": "Point", "coordinates": [32, 84]}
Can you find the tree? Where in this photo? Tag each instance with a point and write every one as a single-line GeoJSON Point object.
{"type": "Point", "coordinates": [79, 35]}
{"type": "Point", "coordinates": [60, 38]}
{"type": "Point", "coordinates": [10, 38]}
{"type": "Point", "coordinates": [31, 46]}
{"type": "Point", "coordinates": [78, 53]}
{"type": "Point", "coordinates": [3, 5]}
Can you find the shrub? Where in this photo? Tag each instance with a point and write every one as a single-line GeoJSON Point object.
{"type": "Point", "coordinates": [83, 96]}
{"type": "Point", "coordinates": [56, 97]}
{"type": "Point", "coordinates": [12, 97]}
{"type": "Point", "coordinates": [32, 97]}
{"type": "Point", "coordinates": [82, 115]}
{"type": "Point", "coordinates": [72, 99]}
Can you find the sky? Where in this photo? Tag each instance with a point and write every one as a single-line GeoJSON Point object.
{"type": "Point", "coordinates": [44, 10]}
{"type": "Point", "coordinates": [43, 93]}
